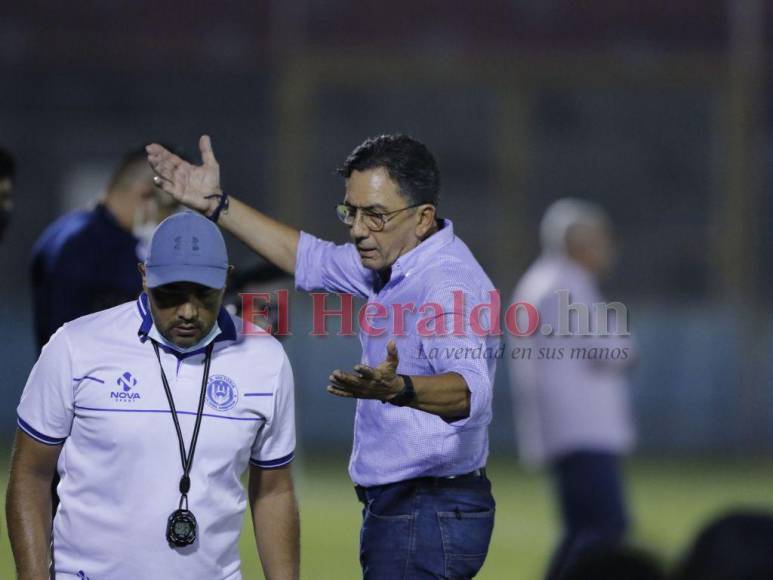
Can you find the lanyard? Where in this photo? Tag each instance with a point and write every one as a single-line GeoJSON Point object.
{"type": "Point", "coordinates": [187, 461]}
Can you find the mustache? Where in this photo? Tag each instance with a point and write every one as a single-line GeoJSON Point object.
{"type": "Point", "coordinates": [186, 323]}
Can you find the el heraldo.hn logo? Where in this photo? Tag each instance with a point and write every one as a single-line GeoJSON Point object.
{"type": "Point", "coordinates": [125, 395]}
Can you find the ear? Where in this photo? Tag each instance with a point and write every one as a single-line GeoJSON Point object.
{"type": "Point", "coordinates": [141, 268]}
{"type": "Point", "coordinates": [426, 217]}
{"type": "Point", "coordinates": [229, 277]}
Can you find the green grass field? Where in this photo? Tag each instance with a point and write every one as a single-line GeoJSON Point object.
{"type": "Point", "coordinates": [671, 499]}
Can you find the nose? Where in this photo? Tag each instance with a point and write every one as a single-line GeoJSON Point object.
{"type": "Point", "coordinates": [358, 229]}
{"type": "Point", "coordinates": [187, 311]}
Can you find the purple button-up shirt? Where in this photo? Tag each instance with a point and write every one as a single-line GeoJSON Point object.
{"type": "Point", "coordinates": [397, 443]}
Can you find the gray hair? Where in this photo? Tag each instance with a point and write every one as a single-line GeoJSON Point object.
{"type": "Point", "coordinates": [564, 214]}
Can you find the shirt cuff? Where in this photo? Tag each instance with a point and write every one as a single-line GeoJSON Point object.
{"type": "Point", "coordinates": [273, 463]}
{"type": "Point", "coordinates": [302, 268]}
{"type": "Point", "coordinates": [37, 435]}
{"type": "Point", "coordinates": [480, 399]}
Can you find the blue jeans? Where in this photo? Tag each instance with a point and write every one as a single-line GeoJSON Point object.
{"type": "Point", "coordinates": [590, 490]}
{"type": "Point", "coordinates": [426, 528]}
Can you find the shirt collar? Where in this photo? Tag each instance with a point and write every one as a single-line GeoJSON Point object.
{"type": "Point", "coordinates": [224, 329]}
{"type": "Point", "coordinates": [426, 249]}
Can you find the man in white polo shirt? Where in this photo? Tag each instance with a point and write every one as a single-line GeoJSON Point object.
{"type": "Point", "coordinates": [150, 412]}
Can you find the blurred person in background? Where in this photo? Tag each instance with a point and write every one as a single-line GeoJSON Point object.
{"type": "Point", "coordinates": [86, 260]}
{"type": "Point", "coordinates": [614, 563]}
{"type": "Point", "coordinates": [735, 546]}
{"type": "Point", "coordinates": [571, 393]}
{"type": "Point", "coordinates": [421, 427]}
{"type": "Point", "coordinates": [7, 178]}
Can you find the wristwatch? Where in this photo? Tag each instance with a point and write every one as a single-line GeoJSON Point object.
{"type": "Point", "coordinates": [406, 396]}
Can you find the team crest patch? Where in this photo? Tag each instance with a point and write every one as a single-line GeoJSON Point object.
{"type": "Point", "coordinates": [221, 393]}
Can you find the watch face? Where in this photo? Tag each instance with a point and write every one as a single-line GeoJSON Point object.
{"type": "Point", "coordinates": [181, 528]}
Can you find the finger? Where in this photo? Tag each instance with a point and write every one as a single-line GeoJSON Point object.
{"type": "Point", "coordinates": [392, 357]}
{"type": "Point", "coordinates": [207, 154]}
{"type": "Point", "coordinates": [164, 168]}
{"type": "Point", "coordinates": [339, 393]}
{"type": "Point", "coordinates": [159, 180]}
{"type": "Point", "coordinates": [365, 371]}
{"type": "Point", "coordinates": [346, 381]}
{"type": "Point", "coordinates": [168, 186]}
{"type": "Point", "coordinates": [170, 164]}
{"type": "Point", "coordinates": [158, 154]}
{"type": "Point", "coordinates": [164, 181]}
{"type": "Point", "coordinates": [155, 162]}
{"type": "Point", "coordinates": [155, 150]}
{"type": "Point", "coordinates": [342, 386]}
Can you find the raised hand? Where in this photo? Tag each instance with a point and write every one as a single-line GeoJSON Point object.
{"type": "Point", "coordinates": [195, 186]}
{"type": "Point", "coordinates": [381, 382]}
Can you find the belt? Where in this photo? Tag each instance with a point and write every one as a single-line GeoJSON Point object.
{"type": "Point", "coordinates": [443, 481]}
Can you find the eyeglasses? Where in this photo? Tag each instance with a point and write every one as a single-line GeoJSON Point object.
{"type": "Point", "coordinates": [373, 220]}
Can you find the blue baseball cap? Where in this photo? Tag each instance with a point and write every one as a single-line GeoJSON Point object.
{"type": "Point", "coordinates": [186, 247]}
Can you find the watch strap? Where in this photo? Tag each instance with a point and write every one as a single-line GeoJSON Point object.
{"type": "Point", "coordinates": [221, 206]}
{"type": "Point", "coordinates": [406, 396]}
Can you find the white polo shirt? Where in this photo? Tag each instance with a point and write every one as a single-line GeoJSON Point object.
{"type": "Point", "coordinates": [566, 404]}
{"type": "Point", "coordinates": [97, 389]}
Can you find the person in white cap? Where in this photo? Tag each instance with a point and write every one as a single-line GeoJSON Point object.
{"type": "Point", "coordinates": [571, 391]}
{"type": "Point", "coordinates": [150, 412]}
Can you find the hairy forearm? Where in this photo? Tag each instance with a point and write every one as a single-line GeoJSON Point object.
{"type": "Point", "coordinates": [445, 395]}
{"type": "Point", "coordinates": [275, 241]}
{"type": "Point", "coordinates": [28, 514]}
{"type": "Point", "coordinates": [277, 535]}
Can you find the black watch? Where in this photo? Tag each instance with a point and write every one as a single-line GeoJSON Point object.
{"type": "Point", "coordinates": [406, 396]}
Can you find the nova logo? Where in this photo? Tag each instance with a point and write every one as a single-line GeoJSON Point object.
{"type": "Point", "coordinates": [126, 381]}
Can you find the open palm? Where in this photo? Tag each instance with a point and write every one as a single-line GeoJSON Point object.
{"type": "Point", "coordinates": [379, 382]}
{"type": "Point", "coordinates": [195, 186]}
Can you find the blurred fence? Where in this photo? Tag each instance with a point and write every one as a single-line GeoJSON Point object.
{"type": "Point", "coordinates": [668, 131]}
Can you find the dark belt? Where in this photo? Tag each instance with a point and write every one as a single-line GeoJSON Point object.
{"type": "Point", "coordinates": [446, 481]}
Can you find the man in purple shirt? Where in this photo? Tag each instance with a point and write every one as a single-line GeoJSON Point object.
{"type": "Point", "coordinates": [424, 384]}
